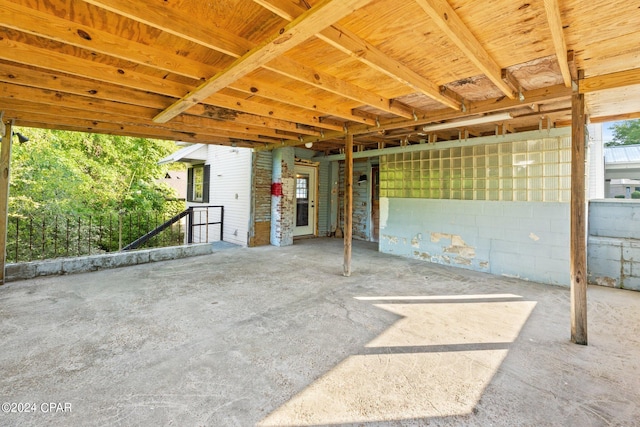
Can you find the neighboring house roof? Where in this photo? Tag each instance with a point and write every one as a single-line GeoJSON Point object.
{"type": "Point", "coordinates": [189, 154]}
{"type": "Point", "coordinates": [178, 181]}
{"type": "Point", "coordinates": [622, 162]}
{"type": "Point", "coordinates": [622, 154]}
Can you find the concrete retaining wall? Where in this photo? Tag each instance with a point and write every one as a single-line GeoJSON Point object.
{"type": "Point", "coordinates": [614, 243]}
{"type": "Point", "coordinates": [528, 240]}
{"type": "Point", "coordinates": [29, 270]}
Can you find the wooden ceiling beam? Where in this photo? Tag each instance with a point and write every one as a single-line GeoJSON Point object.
{"type": "Point", "coordinates": [83, 120]}
{"type": "Point", "coordinates": [191, 124]}
{"type": "Point", "coordinates": [361, 50]}
{"type": "Point", "coordinates": [610, 81]}
{"type": "Point", "coordinates": [446, 18]}
{"type": "Point", "coordinates": [170, 20]}
{"type": "Point", "coordinates": [548, 94]}
{"type": "Point", "coordinates": [268, 90]}
{"type": "Point", "coordinates": [552, 8]}
{"type": "Point", "coordinates": [108, 44]}
{"type": "Point", "coordinates": [28, 54]}
{"type": "Point", "coordinates": [318, 79]}
{"type": "Point", "coordinates": [131, 80]}
{"type": "Point", "coordinates": [243, 123]}
{"type": "Point", "coordinates": [305, 26]}
{"type": "Point", "coordinates": [228, 99]}
{"type": "Point", "coordinates": [64, 30]}
{"type": "Point", "coordinates": [49, 26]}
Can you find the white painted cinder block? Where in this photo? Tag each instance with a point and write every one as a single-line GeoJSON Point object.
{"type": "Point", "coordinates": [504, 238]}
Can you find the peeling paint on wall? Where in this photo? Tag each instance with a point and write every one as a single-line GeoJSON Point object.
{"type": "Point", "coordinates": [458, 246]}
{"type": "Point", "coordinates": [391, 239]}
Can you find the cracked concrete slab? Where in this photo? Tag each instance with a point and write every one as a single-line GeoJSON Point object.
{"type": "Point", "coordinates": [276, 336]}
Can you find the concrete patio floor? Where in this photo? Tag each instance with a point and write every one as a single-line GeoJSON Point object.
{"type": "Point", "coordinates": [277, 337]}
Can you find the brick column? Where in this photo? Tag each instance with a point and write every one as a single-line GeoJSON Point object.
{"type": "Point", "coordinates": [283, 197]}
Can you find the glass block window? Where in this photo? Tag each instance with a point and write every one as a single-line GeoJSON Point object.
{"type": "Point", "coordinates": [533, 170]}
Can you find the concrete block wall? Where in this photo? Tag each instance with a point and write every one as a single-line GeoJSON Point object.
{"type": "Point", "coordinates": [613, 255]}
{"type": "Point", "coordinates": [528, 240]}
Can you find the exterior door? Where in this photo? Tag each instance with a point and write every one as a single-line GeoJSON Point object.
{"type": "Point", "coordinates": [305, 213]}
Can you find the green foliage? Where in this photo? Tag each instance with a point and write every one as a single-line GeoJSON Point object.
{"type": "Point", "coordinates": [635, 195]}
{"type": "Point", "coordinates": [620, 196]}
{"type": "Point", "coordinates": [73, 173]}
{"type": "Point", "coordinates": [75, 194]}
{"type": "Point", "coordinates": [625, 133]}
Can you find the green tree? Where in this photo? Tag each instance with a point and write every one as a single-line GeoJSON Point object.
{"type": "Point", "coordinates": [60, 172]}
{"type": "Point", "coordinates": [625, 133]}
{"type": "Point", "coordinates": [76, 193]}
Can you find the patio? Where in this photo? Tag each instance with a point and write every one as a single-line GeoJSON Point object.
{"type": "Point", "coordinates": [276, 336]}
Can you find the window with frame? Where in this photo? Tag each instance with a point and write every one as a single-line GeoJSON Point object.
{"type": "Point", "coordinates": [198, 184]}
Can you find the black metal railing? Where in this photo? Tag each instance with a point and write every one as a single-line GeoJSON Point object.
{"type": "Point", "coordinates": [199, 222]}
{"type": "Point", "coordinates": [205, 217]}
{"type": "Point", "coordinates": [40, 237]}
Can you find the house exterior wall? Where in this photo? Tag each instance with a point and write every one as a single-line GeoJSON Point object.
{"type": "Point", "coordinates": [230, 186]}
{"type": "Point", "coordinates": [613, 256]}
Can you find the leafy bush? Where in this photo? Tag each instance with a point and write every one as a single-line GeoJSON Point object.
{"type": "Point", "coordinates": [635, 195]}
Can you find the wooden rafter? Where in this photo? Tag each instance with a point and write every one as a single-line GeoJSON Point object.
{"type": "Point", "coordinates": [178, 24]}
{"type": "Point", "coordinates": [306, 25]}
{"type": "Point", "coordinates": [450, 23]}
{"type": "Point", "coordinates": [554, 93]}
{"type": "Point", "coordinates": [302, 73]}
{"type": "Point", "coordinates": [238, 47]}
{"type": "Point", "coordinates": [45, 25]}
{"type": "Point", "coordinates": [24, 110]}
{"type": "Point", "coordinates": [610, 81]}
{"type": "Point", "coordinates": [560, 46]}
{"type": "Point", "coordinates": [354, 46]}
{"type": "Point", "coordinates": [49, 26]}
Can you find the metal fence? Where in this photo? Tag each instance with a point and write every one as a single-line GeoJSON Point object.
{"type": "Point", "coordinates": [40, 237]}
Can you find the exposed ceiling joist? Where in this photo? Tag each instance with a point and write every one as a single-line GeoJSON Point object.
{"type": "Point", "coordinates": [165, 18]}
{"type": "Point", "coordinates": [354, 46]}
{"type": "Point", "coordinates": [321, 80]}
{"type": "Point", "coordinates": [54, 28]}
{"type": "Point", "coordinates": [554, 93]}
{"type": "Point", "coordinates": [610, 81]}
{"type": "Point", "coordinates": [188, 124]}
{"type": "Point", "coordinates": [560, 46]}
{"type": "Point", "coordinates": [145, 55]}
{"type": "Point", "coordinates": [306, 25]}
{"type": "Point", "coordinates": [450, 23]}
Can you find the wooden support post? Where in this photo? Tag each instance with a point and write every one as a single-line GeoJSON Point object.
{"type": "Point", "coordinates": [578, 219]}
{"type": "Point", "coordinates": [5, 158]}
{"type": "Point", "coordinates": [348, 203]}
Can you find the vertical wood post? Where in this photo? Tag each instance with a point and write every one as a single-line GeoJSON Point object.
{"type": "Point", "coordinates": [348, 203]}
{"type": "Point", "coordinates": [5, 159]}
{"type": "Point", "coordinates": [578, 219]}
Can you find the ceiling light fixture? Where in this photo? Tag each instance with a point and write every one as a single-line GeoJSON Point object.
{"type": "Point", "coordinates": [468, 122]}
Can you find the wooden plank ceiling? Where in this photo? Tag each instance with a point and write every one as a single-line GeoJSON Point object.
{"type": "Point", "coordinates": [267, 73]}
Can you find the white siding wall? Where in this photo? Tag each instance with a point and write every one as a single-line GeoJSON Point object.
{"type": "Point", "coordinates": [230, 186]}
